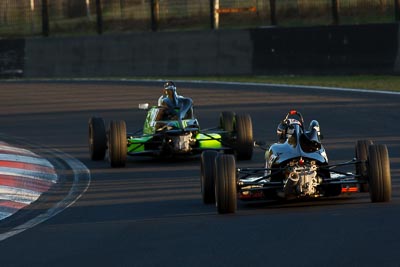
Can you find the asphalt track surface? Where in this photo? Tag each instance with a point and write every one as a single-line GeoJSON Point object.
{"type": "Point", "coordinates": [151, 214]}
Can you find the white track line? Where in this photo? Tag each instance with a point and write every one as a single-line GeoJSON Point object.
{"type": "Point", "coordinates": [256, 84]}
{"type": "Point", "coordinates": [32, 170]}
{"type": "Point", "coordinates": [372, 91]}
{"type": "Point", "coordinates": [80, 171]}
{"type": "Point", "coordinates": [260, 84]}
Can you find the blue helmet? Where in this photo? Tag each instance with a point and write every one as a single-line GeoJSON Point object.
{"type": "Point", "coordinates": [170, 94]}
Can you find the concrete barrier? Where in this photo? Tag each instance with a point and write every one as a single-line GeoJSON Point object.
{"type": "Point", "coordinates": [315, 50]}
{"type": "Point", "coordinates": [141, 54]}
{"type": "Point", "coordinates": [397, 63]}
{"type": "Point", "coordinates": [326, 49]}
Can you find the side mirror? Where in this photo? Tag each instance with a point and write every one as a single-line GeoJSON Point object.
{"type": "Point", "coordinates": [144, 106]}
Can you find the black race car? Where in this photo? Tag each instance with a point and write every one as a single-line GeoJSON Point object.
{"type": "Point", "coordinates": [296, 168]}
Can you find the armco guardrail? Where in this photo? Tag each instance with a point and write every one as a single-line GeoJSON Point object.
{"type": "Point", "coordinates": [261, 51]}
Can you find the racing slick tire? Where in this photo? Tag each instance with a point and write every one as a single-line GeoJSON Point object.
{"type": "Point", "coordinates": [227, 120]}
{"type": "Point", "coordinates": [208, 176]}
{"type": "Point", "coordinates": [244, 138]}
{"type": "Point", "coordinates": [97, 138]}
{"type": "Point", "coordinates": [227, 123]}
{"type": "Point", "coordinates": [380, 185]}
{"type": "Point", "coordinates": [361, 154]}
{"type": "Point", "coordinates": [225, 184]}
{"type": "Point", "coordinates": [117, 147]}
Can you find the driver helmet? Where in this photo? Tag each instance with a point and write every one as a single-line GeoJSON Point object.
{"type": "Point", "coordinates": [170, 91]}
{"type": "Point", "coordinates": [286, 129]}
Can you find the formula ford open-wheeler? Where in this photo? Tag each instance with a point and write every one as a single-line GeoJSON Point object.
{"type": "Point", "coordinates": [296, 168]}
{"type": "Point", "coordinates": [168, 134]}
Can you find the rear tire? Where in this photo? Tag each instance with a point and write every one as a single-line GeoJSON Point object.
{"type": "Point", "coordinates": [227, 124]}
{"type": "Point", "coordinates": [244, 138]}
{"type": "Point", "coordinates": [117, 148]}
{"type": "Point", "coordinates": [225, 184]}
{"type": "Point", "coordinates": [361, 153]}
{"type": "Point", "coordinates": [97, 138]}
{"type": "Point", "coordinates": [208, 176]}
{"type": "Point", "coordinates": [380, 185]}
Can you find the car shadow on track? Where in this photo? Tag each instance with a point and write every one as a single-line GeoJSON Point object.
{"type": "Point", "coordinates": [297, 203]}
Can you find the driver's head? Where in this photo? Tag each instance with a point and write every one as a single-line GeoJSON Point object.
{"type": "Point", "coordinates": [170, 90]}
{"type": "Point", "coordinates": [286, 129]}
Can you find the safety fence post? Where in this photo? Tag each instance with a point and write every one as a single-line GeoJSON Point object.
{"type": "Point", "coordinates": [155, 14]}
{"type": "Point", "coordinates": [45, 18]}
{"type": "Point", "coordinates": [214, 14]}
{"type": "Point", "coordinates": [272, 8]}
{"type": "Point", "coordinates": [335, 12]}
{"type": "Point", "coordinates": [99, 15]}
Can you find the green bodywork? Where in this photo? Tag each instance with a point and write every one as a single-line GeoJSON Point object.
{"type": "Point", "coordinates": [211, 140]}
{"type": "Point", "coordinates": [136, 144]}
{"type": "Point", "coordinates": [154, 120]}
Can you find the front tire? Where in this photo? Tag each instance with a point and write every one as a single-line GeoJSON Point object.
{"type": "Point", "coordinates": [97, 138]}
{"type": "Point", "coordinates": [225, 184]}
{"type": "Point", "coordinates": [244, 138]}
{"type": "Point", "coordinates": [380, 185]}
{"type": "Point", "coordinates": [208, 176]}
{"type": "Point", "coordinates": [117, 148]}
{"type": "Point", "coordinates": [361, 153]}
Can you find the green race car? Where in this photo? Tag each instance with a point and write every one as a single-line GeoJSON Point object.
{"type": "Point", "coordinates": [170, 132]}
